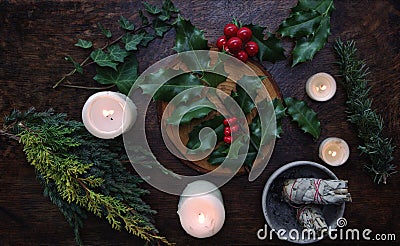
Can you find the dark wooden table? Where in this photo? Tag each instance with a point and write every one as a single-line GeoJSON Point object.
{"type": "Point", "coordinates": [35, 36]}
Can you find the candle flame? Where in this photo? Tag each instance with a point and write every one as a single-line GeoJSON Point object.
{"type": "Point", "coordinates": [107, 113]}
{"type": "Point", "coordinates": [202, 218]}
{"type": "Point", "coordinates": [332, 153]}
{"type": "Point", "coordinates": [322, 87]}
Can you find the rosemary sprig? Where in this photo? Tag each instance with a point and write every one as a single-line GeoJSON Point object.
{"type": "Point", "coordinates": [368, 122]}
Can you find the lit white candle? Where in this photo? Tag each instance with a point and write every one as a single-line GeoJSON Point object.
{"type": "Point", "coordinates": [321, 87]}
{"type": "Point", "coordinates": [108, 114]}
{"type": "Point", "coordinates": [201, 214]}
{"type": "Point", "coordinates": [334, 151]}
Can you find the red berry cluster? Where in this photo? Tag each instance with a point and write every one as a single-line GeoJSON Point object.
{"type": "Point", "coordinates": [229, 130]}
{"type": "Point", "coordinates": [236, 41]}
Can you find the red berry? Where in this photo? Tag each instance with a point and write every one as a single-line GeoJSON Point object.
{"type": "Point", "coordinates": [234, 128]}
{"type": "Point", "coordinates": [226, 49]}
{"type": "Point", "coordinates": [221, 42]}
{"type": "Point", "coordinates": [230, 30]}
{"type": "Point", "coordinates": [251, 48]}
{"type": "Point", "coordinates": [226, 123]}
{"type": "Point", "coordinates": [234, 44]}
{"type": "Point", "coordinates": [227, 131]}
{"type": "Point", "coordinates": [228, 139]}
{"type": "Point", "coordinates": [232, 120]}
{"type": "Point", "coordinates": [244, 33]}
{"type": "Point", "coordinates": [242, 55]}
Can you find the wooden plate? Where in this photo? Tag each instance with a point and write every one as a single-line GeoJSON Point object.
{"type": "Point", "coordinates": [203, 166]}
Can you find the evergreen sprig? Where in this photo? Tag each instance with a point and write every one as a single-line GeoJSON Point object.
{"type": "Point", "coordinates": [369, 123]}
{"type": "Point", "coordinates": [82, 173]}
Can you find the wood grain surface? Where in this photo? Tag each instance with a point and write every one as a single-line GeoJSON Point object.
{"type": "Point", "coordinates": [35, 36]}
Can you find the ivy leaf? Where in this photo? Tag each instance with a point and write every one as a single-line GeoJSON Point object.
{"type": "Point", "coordinates": [309, 24]}
{"type": "Point", "coordinates": [103, 59]}
{"type": "Point", "coordinates": [184, 113]}
{"type": "Point", "coordinates": [84, 44]}
{"type": "Point", "coordinates": [188, 37]}
{"type": "Point", "coordinates": [169, 6]}
{"type": "Point", "coordinates": [143, 18]}
{"type": "Point", "coordinates": [147, 37]}
{"type": "Point", "coordinates": [172, 87]}
{"type": "Point", "coordinates": [104, 31]}
{"type": "Point", "coordinates": [132, 40]}
{"type": "Point", "coordinates": [117, 53]}
{"type": "Point", "coordinates": [242, 98]}
{"type": "Point", "coordinates": [77, 66]}
{"type": "Point", "coordinates": [305, 117]}
{"type": "Point", "coordinates": [160, 27]}
{"type": "Point", "coordinates": [123, 77]}
{"type": "Point", "coordinates": [194, 143]}
{"type": "Point", "coordinates": [151, 9]}
{"type": "Point", "coordinates": [280, 113]}
{"type": "Point", "coordinates": [126, 24]}
{"type": "Point", "coordinates": [270, 49]}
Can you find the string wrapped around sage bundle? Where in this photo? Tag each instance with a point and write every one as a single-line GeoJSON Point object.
{"type": "Point", "coordinates": [315, 191]}
{"type": "Point", "coordinates": [310, 217]}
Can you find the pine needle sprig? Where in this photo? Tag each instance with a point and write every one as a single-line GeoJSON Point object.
{"type": "Point", "coordinates": [369, 123]}
{"type": "Point", "coordinates": [81, 173]}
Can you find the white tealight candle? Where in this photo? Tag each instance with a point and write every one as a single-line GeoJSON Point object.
{"type": "Point", "coordinates": [321, 87]}
{"type": "Point", "coordinates": [108, 114]}
{"type": "Point", "coordinates": [201, 214]}
{"type": "Point", "coordinates": [334, 151]}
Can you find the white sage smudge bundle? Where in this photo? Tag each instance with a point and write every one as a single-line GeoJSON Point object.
{"type": "Point", "coordinates": [315, 191]}
{"type": "Point", "coordinates": [310, 217]}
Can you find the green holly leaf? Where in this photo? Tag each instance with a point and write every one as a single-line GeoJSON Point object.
{"type": "Point", "coordinates": [123, 77]}
{"type": "Point", "coordinates": [215, 75]}
{"type": "Point", "coordinates": [309, 24]}
{"type": "Point", "coordinates": [160, 27]}
{"type": "Point", "coordinates": [103, 59]}
{"type": "Point", "coordinates": [84, 44]}
{"type": "Point", "coordinates": [280, 113]}
{"type": "Point", "coordinates": [188, 37]}
{"type": "Point", "coordinates": [184, 113]}
{"type": "Point", "coordinates": [194, 143]}
{"type": "Point", "coordinates": [306, 48]}
{"type": "Point", "coordinates": [242, 98]}
{"type": "Point", "coordinates": [221, 153]}
{"type": "Point", "coordinates": [126, 24]}
{"type": "Point", "coordinates": [172, 87]}
{"type": "Point", "coordinates": [151, 9]}
{"type": "Point", "coordinates": [218, 155]}
{"type": "Point", "coordinates": [117, 53]}
{"type": "Point", "coordinates": [77, 66]}
{"type": "Point", "coordinates": [132, 40]}
{"type": "Point", "coordinates": [305, 117]}
{"type": "Point", "coordinates": [270, 49]}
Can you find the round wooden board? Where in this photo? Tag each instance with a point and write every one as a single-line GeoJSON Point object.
{"type": "Point", "coordinates": [203, 166]}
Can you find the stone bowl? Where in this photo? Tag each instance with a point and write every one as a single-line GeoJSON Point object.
{"type": "Point", "coordinates": [279, 215]}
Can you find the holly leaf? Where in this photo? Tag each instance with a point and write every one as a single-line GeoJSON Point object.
{"type": "Point", "coordinates": [309, 24]}
{"type": "Point", "coordinates": [172, 87]}
{"type": "Point", "coordinates": [218, 155]}
{"type": "Point", "coordinates": [194, 143]}
{"type": "Point", "coordinates": [123, 77]}
{"type": "Point", "coordinates": [126, 24]}
{"type": "Point", "coordinates": [117, 53]}
{"type": "Point", "coordinates": [270, 49]}
{"type": "Point", "coordinates": [242, 98]}
{"type": "Point", "coordinates": [184, 113]}
{"type": "Point", "coordinates": [84, 44]}
{"type": "Point", "coordinates": [151, 9]}
{"type": "Point", "coordinates": [305, 117]}
{"type": "Point", "coordinates": [77, 66]}
{"type": "Point", "coordinates": [103, 59]}
{"type": "Point", "coordinates": [132, 40]}
{"type": "Point", "coordinates": [280, 113]}
{"type": "Point", "coordinates": [215, 75]}
{"type": "Point", "coordinates": [188, 37]}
